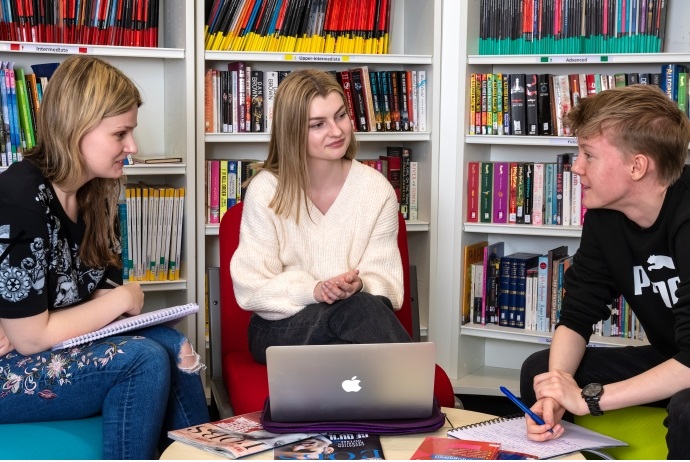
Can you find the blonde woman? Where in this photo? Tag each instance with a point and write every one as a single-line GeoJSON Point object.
{"type": "Point", "coordinates": [60, 277]}
{"type": "Point", "coordinates": [318, 259]}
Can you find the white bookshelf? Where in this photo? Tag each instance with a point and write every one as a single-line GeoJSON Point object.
{"type": "Point", "coordinates": [415, 44]}
{"type": "Point", "coordinates": [480, 358]}
{"type": "Point", "coordinates": [165, 78]}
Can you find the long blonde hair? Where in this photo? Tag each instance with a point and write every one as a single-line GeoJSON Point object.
{"type": "Point", "coordinates": [287, 148]}
{"type": "Point", "coordinates": [83, 91]}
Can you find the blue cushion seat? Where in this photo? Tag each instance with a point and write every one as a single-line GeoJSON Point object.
{"type": "Point", "coordinates": [61, 439]}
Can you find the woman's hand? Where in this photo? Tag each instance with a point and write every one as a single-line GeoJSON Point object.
{"type": "Point", "coordinates": [5, 344]}
{"type": "Point", "coordinates": [133, 298]}
{"type": "Point", "coordinates": [338, 288]}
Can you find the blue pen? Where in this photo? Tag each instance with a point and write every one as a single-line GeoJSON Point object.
{"type": "Point", "coordinates": [522, 406]}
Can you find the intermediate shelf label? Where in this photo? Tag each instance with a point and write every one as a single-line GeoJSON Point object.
{"type": "Point", "coordinates": [43, 48]}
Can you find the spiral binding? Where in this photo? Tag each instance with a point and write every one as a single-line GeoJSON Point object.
{"type": "Point", "coordinates": [495, 420]}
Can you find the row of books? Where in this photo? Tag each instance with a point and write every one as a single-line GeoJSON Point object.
{"type": "Point", "coordinates": [240, 100]}
{"type": "Point", "coordinates": [525, 193]}
{"type": "Point", "coordinates": [131, 23]}
{"type": "Point", "coordinates": [314, 26]}
{"type": "Point", "coordinates": [571, 26]}
{"type": "Point", "coordinates": [151, 218]}
{"type": "Point", "coordinates": [225, 185]}
{"type": "Point", "coordinates": [21, 94]}
{"type": "Point", "coordinates": [402, 173]}
{"type": "Point", "coordinates": [225, 181]}
{"type": "Point", "coordinates": [525, 290]}
{"type": "Point", "coordinates": [534, 104]}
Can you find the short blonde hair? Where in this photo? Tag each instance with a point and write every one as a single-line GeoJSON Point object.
{"type": "Point", "coordinates": [637, 119]}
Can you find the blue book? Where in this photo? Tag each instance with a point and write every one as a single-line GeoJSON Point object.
{"type": "Point", "coordinates": [549, 193]}
{"type": "Point", "coordinates": [520, 262]}
{"type": "Point", "coordinates": [232, 183]}
{"type": "Point", "coordinates": [122, 213]}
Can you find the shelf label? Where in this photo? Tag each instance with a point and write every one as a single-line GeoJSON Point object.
{"type": "Point", "coordinates": [38, 48]}
{"type": "Point", "coordinates": [583, 59]}
{"type": "Point", "coordinates": [318, 58]}
{"type": "Point", "coordinates": [563, 141]}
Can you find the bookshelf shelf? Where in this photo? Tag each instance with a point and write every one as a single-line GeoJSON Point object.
{"type": "Point", "coordinates": [361, 136]}
{"type": "Point", "coordinates": [412, 226]}
{"type": "Point", "coordinates": [514, 140]}
{"type": "Point", "coordinates": [97, 50]}
{"type": "Point", "coordinates": [161, 286]}
{"type": "Point", "coordinates": [486, 380]}
{"type": "Point", "coordinates": [543, 338]}
{"type": "Point", "coordinates": [524, 230]}
{"type": "Point", "coordinates": [158, 169]}
{"type": "Point", "coordinates": [576, 59]}
{"type": "Point", "coordinates": [318, 58]}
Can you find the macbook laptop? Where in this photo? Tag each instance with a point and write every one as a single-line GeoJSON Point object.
{"type": "Point", "coordinates": [351, 381]}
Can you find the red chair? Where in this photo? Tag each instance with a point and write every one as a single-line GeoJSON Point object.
{"type": "Point", "coordinates": [242, 385]}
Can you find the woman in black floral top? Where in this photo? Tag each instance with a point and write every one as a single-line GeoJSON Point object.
{"type": "Point", "coordinates": [59, 248]}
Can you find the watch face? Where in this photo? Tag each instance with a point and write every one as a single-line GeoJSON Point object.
{"type": "Point", "coordinates": [593, 389]}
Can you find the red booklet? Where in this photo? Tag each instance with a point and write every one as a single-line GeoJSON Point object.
{"type": "Point", "coordinates": [435, 447]}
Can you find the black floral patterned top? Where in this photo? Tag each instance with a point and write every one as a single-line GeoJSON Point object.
{"type": "Point", "coordinates": [39, 266]}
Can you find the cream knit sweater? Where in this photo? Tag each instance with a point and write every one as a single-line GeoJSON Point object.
{"type": "Point", "coordinates": [278, 263]}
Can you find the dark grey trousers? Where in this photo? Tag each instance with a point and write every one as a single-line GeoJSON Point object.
{"type": "Point", "coordinates": [609, 365]}
{"type": "Point", "coordinates": [361, 318]}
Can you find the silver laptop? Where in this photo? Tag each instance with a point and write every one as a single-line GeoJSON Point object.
{"type": "Point", "coordinates": [351, 381]}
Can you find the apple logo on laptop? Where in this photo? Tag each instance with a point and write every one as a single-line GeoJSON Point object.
{"type": "Point", "coordinates": [351, 385]}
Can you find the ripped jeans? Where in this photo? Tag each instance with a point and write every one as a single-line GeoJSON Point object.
{"type": "Point", "coordinates": [135, 381]}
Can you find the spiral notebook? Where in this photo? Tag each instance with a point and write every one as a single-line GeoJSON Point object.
{"type": "Point", "coordinates": [511, 433]}
{"type": "Point", "coordinates": [131, 323]}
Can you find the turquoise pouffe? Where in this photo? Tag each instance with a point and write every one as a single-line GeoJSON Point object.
{"type": "Point", "coordinates": [62, 439]}
{"type": "Point", "coordinates": [642, 427]}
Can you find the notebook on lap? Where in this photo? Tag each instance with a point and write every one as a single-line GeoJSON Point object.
{"type": "Point", "coordinates": [351, 381]}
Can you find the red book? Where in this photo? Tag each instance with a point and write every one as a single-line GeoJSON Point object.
{"type": "Point", "coordinates": [343, 78]}
{"type": "Point", "coordinates": [473, 192]}
{"type": "Point", "coordinates": [214, 192]}
{"type": "Point", "coordinates": [591, 84]}
{"type": "Point", "coordinates": [438, 447]}
{"type": "Point", "coordinates": [393, 174]}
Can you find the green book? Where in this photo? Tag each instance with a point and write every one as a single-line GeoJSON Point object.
{"type": "Point", "coordinates": [27, 125]}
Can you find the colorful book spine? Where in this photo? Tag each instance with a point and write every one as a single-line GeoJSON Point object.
{"type": "Point", "coordinates": [421, 92]}
{"type": "Point", "coordinates": [538, 195]}
{"type": "Point", "coordinates": [414, 212]}
{"type": "Point", "coordinates": [501, 192]}
{"type": "Point", "coordinates": [223, 195]}
{"type": "Point", "coordinates": [486, 189]}
{"type": "Point", "coordinates": [473, 192]}
{"type": "Point", "coordinates": [214, 197]}
{"type": "Point", "coordinates": [512, 193]}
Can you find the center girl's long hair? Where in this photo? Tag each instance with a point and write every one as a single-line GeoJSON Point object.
{"type": "Point", "coordinates": [83, 91]}
{"type": "Point", "coordinates": [287, 149]}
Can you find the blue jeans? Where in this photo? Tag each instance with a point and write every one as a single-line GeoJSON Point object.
{"type": "Point", "coordinates": [132, 380]}
{"type": "Point", "coordinates": [608, 365]}
{"type": "Point", "coordinates": [360, 318]}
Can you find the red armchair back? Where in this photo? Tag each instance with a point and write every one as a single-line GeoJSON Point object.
{"type": "Point", "coordinates": [245, 379]}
